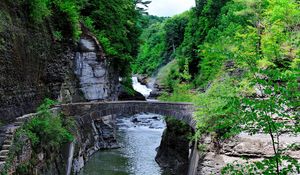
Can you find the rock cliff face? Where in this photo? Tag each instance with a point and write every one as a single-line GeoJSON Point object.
{"type": "Point", "coordinates": [173, 152]}
{"type": "Point", "coordinates": [32, 64]}
{"type": "Point", "coordinates": [91, 137]}
{"type": "Point", "coordinates": [94, 72]}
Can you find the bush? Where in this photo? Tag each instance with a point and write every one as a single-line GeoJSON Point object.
{"type": "Point", "coordinates": [39, 10]}
{"type": "Point", "coordinates": [181, 93]}
{"type": "Point", "coordinates": [46, 130]}
{"type": "Point", "coordinates": [218, 110]}
{"type": "Point", "coordinates": [57, 35]}
{"type": "Point", "coordinates": [168, 75]}
{"type": "Point", "coordinates": [71, 10]}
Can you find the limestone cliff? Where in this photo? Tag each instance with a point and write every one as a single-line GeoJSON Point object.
{"type": "Point", "coordinates": [97, 79]}
{"type": "Point", "coordinates": [34, 64]}
{"type": "Point", "coordinates": [241, 148]}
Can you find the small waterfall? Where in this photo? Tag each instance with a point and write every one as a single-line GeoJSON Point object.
{"type": "Point", "coordinates": [70, 158]}
{"type": "Point", "coordinates": [140, 88]}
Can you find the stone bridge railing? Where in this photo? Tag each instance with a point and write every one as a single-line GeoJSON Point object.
{"type": "Point", "coordinates": [95, 110]}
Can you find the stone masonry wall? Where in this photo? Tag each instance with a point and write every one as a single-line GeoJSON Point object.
{"type": "Point", "coordinates": [95, 110]}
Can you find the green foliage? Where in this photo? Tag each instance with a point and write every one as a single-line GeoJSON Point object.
{"type": "Point", "coordinates": [266, 166]}
{"type": "Point", "coordinates": [116, 26]}
{"type": "Point", "coordinates": [127, 85]}
{"type": "Point", "coordinates": [23, 168]}
{"type": "Point", "coordinates": [180, 94]}
{"type": "Point", "coordinates": [57, 35]}
{"type": "Point", "coordinates": [231, 48]}
{"type": "Point", "coordinates": [169, 74]}
{"type": "Point", "coordinates": [147, 20]}
{"type": "Point", "coordinates": [270, 60]}
{"type": "Point", "coordinates": [158, 44]}
{"type": "Point", "coordinates": [177, 126]}
{"type": "Point", "coordinates": [151, 52]}
{"type": "Point", "coordinates": [261, 115]}
{"type": "Point", "coordinates": [278, 97]}
{"type": "Point", "coordinates": [201, 19]}
{"type": "Point", "coordinates": [39, 10]}
{"type": "Point", "coordinates": [46, 131]}
{"type": "Point", "coordinates": [218, 110]}
{"type": "Point", "coordinates": [70, 9]}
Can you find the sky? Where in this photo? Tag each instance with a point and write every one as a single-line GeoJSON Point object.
{"type": "Point", "coordinates": [169, 7]}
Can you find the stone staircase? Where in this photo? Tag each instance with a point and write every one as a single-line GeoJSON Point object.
{"type": "Point", "coordinates": [7, 136]}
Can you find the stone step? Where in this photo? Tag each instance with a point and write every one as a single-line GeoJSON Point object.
{"type": "Point", "coordinates": [4, 152]}
{"type": "Point", "coordinates": [6, 147]}
{"type": "Point", "coordinates": [12, 129]}
{"type": "Point", "coordinates": [2, 164]}
{"type": "Point", "coordinates": [3, 158]}
{"type": "Point", "coordinates": [7, 141]}
{"type": "Point", "coordinates": [9, 136]}
{"type": "Point", "coordinates": [19, 123]}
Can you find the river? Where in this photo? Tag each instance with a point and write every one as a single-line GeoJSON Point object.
{"type": "Point", "coordinates": [139, 136]}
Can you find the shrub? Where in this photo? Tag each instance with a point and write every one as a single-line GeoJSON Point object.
{"type": "Point", "coordinates": [57, 35]}
{"type": "Point", "coordinates": [218, 110]}
{"type": "Point", "coordinates": [39, 10]}
{"type": "Point", "coordinates": [70, 8]}
{"type": "Point", "coordinates": [181, 93]}
{"type": "Point", "coordinates": [47, 130]}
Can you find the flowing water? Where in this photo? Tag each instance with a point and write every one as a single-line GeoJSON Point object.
{"type": "Point", "coordinates": [140, 135]}
{"type": "Point", "coordinates": [140, 88]}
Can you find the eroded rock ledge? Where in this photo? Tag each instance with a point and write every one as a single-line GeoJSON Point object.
{"type": "Point", "coordinates": [254, 147]}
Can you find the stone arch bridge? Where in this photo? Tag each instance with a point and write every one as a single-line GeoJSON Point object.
{"type": "Point", "coordinates": [90, 111]}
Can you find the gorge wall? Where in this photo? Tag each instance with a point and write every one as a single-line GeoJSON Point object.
{"type": "Point", "coordinates": [32, 64]}
{"type": "Point", "coordinates": [98, 80]}
{"type": "Point", "coordinates": [173, 152]}
{"type": "Point", "coordinates": [35, 65]}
